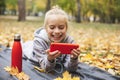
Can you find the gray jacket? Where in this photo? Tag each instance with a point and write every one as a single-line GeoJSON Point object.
{"type": "Point", "coordinates": [41, 43]}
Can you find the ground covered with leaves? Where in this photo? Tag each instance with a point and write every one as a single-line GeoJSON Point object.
{"type": "Point", "coordinates": [99, 43]}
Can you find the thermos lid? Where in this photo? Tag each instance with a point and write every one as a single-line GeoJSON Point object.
{"type": "Point", "coordinates": [17, 36]}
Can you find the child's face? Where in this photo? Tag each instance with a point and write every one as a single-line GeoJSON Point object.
{"type": "Point", "coordinates": [56, 28]}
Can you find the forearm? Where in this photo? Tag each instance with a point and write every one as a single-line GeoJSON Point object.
{"type": "Point", "coordinates": [71, 64]}
{"type": "Point", "coordinates": [43, 61]}
{"type": "Point", "coordinates": [39, 49]}
{"type": "Point", "coordinates": [46, 64]}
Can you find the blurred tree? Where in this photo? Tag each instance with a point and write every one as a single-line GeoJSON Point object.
{"type": "Point", "coordinates": [29, 5]}
{"type": "Point", "coordinates": [117, 11]}
{"type": "Point", "coordinates": [2, 6]}
{"type": "Point", "coordinates": [107, 11]}
{"type": "Point", "coordinates": [48, 5]}
{"type": "Point", "coordinates": [21, 10]}
{"type": "Point", "coordinates": [78, 18]}
{"type": "Point", "coordinates": [84, 9]}
{"type": "Point", "coordinates": [11, 6]}
{"type": "Point", "coordinates": [40, 5]}
{"type": "Point", "coordinates": [72, 7]}
{"type": "Point", "coordinates": [33, 7]}
{"type": "Point", "coordinates": [91, 9]}
{"type": "Point", "coordinates": [69, 6]}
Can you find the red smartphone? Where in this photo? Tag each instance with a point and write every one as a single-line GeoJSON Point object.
{"type": "Point", "coordinates": [64, 48]}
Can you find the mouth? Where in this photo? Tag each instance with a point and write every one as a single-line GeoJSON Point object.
{"type": "Point", "coordinates": [56, 37]}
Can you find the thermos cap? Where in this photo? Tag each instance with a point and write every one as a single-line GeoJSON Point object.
{"type": "Point", "coordinates": [17, 36]}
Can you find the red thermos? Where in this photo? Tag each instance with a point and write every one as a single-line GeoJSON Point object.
{"type": "Point", "coordinates": [17, 53]}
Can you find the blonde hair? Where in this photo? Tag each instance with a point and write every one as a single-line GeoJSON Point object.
{"type": "Point", "coordinates": [56, 10]}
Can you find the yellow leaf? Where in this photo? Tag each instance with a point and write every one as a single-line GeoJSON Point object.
{"type": "Point", "coordinates": [40, 70]}
{"type": "Point", "coordinates": [7, 68]}
{"type": "Point", "coordinates": [67, 76]}
{"type": "Point", "coordinates": [58, 78]}
{"type": "Point", "coordinates": [88, 57]}
{"type": "Point", "coordinates": [108, 65]}
{"type": "Point", "coordinates": [75, 78]}
{"type": "Point", "coordinates": [110, 57]}
{"type": "Point", "coordinates": [14, 72]}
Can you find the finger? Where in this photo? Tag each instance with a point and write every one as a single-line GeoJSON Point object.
{"type": "Point", "coordinates": [77, 51]}
{"type": "Point", "coordinates": [53, 53]}
{"type": "Point", "coordinates": [47, 51]}
{"type": "Point", "coordinates": [57, 55]}
{"type": "Point", "coordinates": [74, 54]}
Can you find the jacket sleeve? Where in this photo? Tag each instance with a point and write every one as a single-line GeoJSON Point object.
{"type": "Point", "coordinates": [39, 47]}
{"type": "Point", "coordinates": [70, 64]}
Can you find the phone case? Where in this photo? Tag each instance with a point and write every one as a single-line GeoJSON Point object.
{"type": "Point", "coordinates": [64, 48]}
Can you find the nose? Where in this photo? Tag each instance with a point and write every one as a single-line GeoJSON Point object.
{"type": "Point", "coordinates": [56, 30]}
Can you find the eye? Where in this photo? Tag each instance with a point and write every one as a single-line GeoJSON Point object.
{"type": "Point", "coordinates": [51, 26]}
{"type": "Point", "coordinates": [61, 27]}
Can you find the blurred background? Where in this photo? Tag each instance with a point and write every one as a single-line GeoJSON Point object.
{"type": "Point", "coordinates": [106, 11]}
{"type": "Point", "coordinates": [94, 24]}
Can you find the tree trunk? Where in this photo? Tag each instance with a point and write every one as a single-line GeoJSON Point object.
{"type": "Point", "coordinates": [2, 7]}
{"type": "Point", "coordinates": [78, 18]}
{"type": "Point", "coordinates": [21, 10]}
{"type": "Point", "coordinates": [48, 5]}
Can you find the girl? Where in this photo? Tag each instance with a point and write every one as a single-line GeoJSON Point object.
{"type": "Point", "coordinates": [54, 30]}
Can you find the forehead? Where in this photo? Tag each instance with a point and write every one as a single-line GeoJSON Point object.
{"type": "Point", "coordinates": [54, 18]}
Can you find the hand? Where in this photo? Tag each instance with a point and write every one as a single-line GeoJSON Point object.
{"type": "Point", "coordinates": [75, 53]}
{"type": "Point", "coordinates": [52, 55]}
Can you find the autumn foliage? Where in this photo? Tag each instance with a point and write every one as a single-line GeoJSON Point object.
{"type": "Point", "coordinates": [99, 43]}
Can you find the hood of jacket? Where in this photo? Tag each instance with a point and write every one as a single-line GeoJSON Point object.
{"type": "Point", "coordinates": [41, 33]}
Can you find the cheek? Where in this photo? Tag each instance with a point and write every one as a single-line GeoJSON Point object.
{"type": "Point", "coordinates": [64, 31]}
{"type": "Point", "coordinates": [49, 32]}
